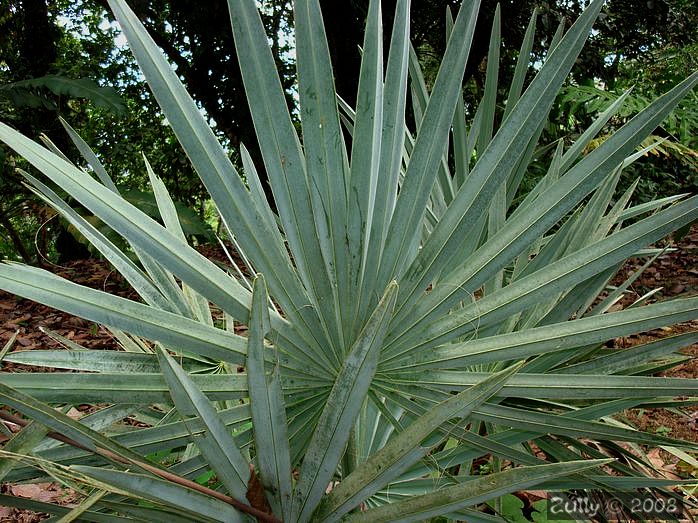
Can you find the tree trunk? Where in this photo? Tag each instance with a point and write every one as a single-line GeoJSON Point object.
{"type": "Point", "coordinates": [15, 238]}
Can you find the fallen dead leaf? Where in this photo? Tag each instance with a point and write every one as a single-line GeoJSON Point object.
{"type": "Point", "coordinates": [537, 494]}
{"type": "Point", "coordinates": [666, 469]}
{"type": "Point", "coordinates": [44, 492]}
{"type": "Point", "coordinates": [74, 413]}
{"type": "Point", "coordinates": [255, 493]}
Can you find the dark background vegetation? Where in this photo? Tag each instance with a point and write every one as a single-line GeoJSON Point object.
{"type": "Point", "coordinates": [64, 58]}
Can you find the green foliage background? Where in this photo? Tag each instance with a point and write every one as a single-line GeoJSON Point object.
{"type": "Point", "coordinates": [647, 45]}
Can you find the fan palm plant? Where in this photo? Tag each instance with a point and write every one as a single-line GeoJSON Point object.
{"type": "Point", "coordinates": [405, 320]}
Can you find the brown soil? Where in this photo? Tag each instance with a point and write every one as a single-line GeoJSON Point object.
{"type": "Point", "coordinates": [676, 273]}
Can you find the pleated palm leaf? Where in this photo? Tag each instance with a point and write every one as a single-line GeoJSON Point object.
{"type": "Point", "coordinates": [410, 319]}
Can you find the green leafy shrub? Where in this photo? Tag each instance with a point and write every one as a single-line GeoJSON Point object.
{"type": "Point", "coordinates": [671, 166]}
{"type": "Point", "coordinates": [408, 323]}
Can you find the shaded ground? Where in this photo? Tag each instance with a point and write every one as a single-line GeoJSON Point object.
{"type": "Point", "coordinates": [675, 272]}
{"type": "Point", "coordinates": [676, 275]}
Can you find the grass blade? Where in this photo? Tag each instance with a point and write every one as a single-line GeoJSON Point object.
{"type": "Point", "coordinates": [562, 274]}
{"type": "Point", "coordinates": [219, 176]}
{"type": "Point", "coordinates": [286, 167]}
{"type": "Point", "coordinates": [392, 144]}
{"type": "Point", "coordinates": [365, 165]}
{"type": "Point", "coordinates": [558, 336]}
{"type": "Point", "coordinates": [472, 492]}
{"type": "Point", "coordinates": [23, 442]}
{"type": "Point", "coordinates": [183, 334]}
{"type": "Point", "coordinates": [163, 492]}
{"type": "Point", "coordinates": [405, 225]}
{"type": "Point", "coordinates": [342, 406]}
{"type": "Point", "coordinates": [268, 410]}
{"type": "Point", "coordinates": [217, 443]}
{"type": "Point", "coordinates": [406, 448]}
{"type": "Point", "coordinates": [495, 165]}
